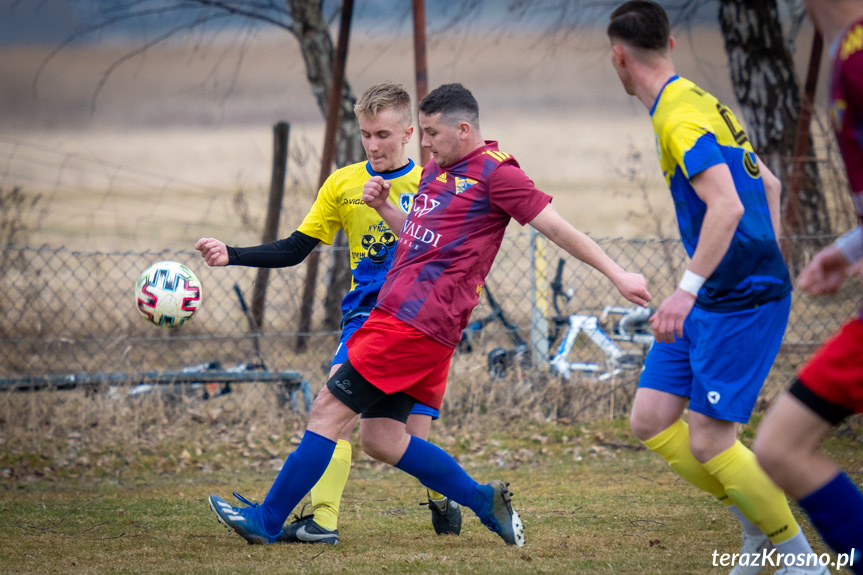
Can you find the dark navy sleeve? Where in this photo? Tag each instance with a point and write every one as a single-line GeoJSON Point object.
{"type": "Point", "coordinates": [278, 254]}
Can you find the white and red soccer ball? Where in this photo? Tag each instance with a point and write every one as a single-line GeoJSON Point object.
{"type": "Point", "coordinates": [168, 294]}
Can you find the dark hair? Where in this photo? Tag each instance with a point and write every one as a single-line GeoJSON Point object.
{"type": "Point", "coordinates": [640, 23]}
{"type": "Point", "coordinates": [453, 101]}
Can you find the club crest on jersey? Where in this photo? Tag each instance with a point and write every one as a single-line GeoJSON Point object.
{"type": "Point", "coordinates": [406, 201]}
{"type": "Point", "coordinates": [423, 205]}
{"type": "Point", "coordinates": [462, 184]}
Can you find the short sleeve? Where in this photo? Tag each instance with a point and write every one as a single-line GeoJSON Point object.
{"type": "Point", "coordinates": [691, 143]}
{"type": "Point", "coordinates": [323, 220]}
{"type": "Point", "coordinates": [512, 192]}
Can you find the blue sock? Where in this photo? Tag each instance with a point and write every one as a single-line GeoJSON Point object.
{"type": "Point", "coordinates": [301, 471]}
{"type": "Point", "coordinates": [437, 470]}
{"type": "Point", "coordinates": [836, 510]}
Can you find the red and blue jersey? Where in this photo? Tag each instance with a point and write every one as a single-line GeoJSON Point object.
{"type": "Point", "coordinates": [846, 107]}
{"type": "Point", "coordinates": [451, 236]}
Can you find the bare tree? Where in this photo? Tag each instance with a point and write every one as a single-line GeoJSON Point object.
{"type": "Point", "coordinates": [766, 86]}
{"type": "Point", "coordinates": [304, 19]}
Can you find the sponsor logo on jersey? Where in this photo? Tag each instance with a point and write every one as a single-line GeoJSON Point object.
{"type": "Point", "coordinates": [419, 233]}
{"type": "Point", "coordinates": [423, 205]}
{"type": "Point", "coordinates": [378, 248]}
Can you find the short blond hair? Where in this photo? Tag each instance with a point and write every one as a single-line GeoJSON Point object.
{"type": "Point", "coordinates": [386, 96]}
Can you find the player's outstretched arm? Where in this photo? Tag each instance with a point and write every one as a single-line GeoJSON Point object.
{"type": "Point", "coordinates": [549, 223]}
{"type": "Point", "coordinates": [282, 253]}
{"type": "Point", "coordinates": [375, 194]}
{"type": "Point", "coordinates": [214, 252]}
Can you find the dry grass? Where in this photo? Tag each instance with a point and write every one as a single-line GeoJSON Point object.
{"type": "Point", "coordinates": [591, 499]}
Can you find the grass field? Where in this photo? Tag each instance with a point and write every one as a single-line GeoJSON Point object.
{"type": "Point", "coordinates": [592, 500]}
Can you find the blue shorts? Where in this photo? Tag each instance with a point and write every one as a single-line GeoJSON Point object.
{"type": "Point", "coordinates": [722, 359]}
{"type": "Point", "coordinates": [341, 356]}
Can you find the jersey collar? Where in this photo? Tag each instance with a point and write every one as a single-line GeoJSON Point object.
{"type": "Point", "coordinates": [658, 96]}
{"type": "Point", "coordinates": [393, 174]}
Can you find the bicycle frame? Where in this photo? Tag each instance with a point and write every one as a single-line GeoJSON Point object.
{"type": "Point", "coordinates": [589, 324]}
{"type": "Point", "coordinates": [633, 326]}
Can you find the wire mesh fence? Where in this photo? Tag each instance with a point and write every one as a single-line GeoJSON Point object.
{"type": "Point", "coordinates": [72, 312]}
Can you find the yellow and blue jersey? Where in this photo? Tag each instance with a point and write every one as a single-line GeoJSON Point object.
{"type": "Point", "coordinates": [694, 131]}
{"type": "Point", "coordinates": [370, 241]}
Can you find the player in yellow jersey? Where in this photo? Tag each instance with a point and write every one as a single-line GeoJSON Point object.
{"type": "Point", "coordinates": [719, 332]}
{"type": "Point", "coordinates": [384, 114]}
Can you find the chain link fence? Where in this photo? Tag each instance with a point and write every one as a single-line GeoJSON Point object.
{"type": "Point", "coordinates": [72, 312]}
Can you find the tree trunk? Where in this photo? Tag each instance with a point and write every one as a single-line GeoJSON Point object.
{"type": "Point", "coordinates": [318, 52]}
{"type": "Point", "coordinates": [762, 73]}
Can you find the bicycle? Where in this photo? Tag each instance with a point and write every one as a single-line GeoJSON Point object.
{"type": "Point", "coordinates": [499, 359]}
{"type": "Point", "coordinates": [632, 325]}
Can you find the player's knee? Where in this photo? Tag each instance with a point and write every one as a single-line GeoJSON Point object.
{"type": "Point", "coordinates": [374, 447]}
{"type": "Point", "coordinates": [773, 461]}
{"type": "Point", "coordinates": [704, 451]}
{"type": "Point", "coordinates": [643, 426]}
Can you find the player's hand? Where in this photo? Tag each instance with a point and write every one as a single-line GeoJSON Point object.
{"type": "Point", "coordinates": [668, 319]}
{"type": "Point", "coordinates": [213, 251]}
{"type": "Point", "coordinates": [826, 273]}
{"type": "Point", "coordinates": [375, 192]}
{"type": "Point", "coordinates": [633, 287]}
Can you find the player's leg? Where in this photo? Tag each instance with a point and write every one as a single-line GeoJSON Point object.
{"type": "Point", "coordinates": [732, 354]}
{"type": "Point", "coordinates": [401, 360]}
{"type": "Point", "coordinates": [445, 513]}
{"type": "Point", "coordinates": [829, 388]}
{"type": "Point", "coordinates": [663, 393]}
{"type": "Point", "coordinates": [384, 437]}
{"type": "Point", "coordinates": [326, 495]}
{"type": "Point", "coordinates": [304, 467]}
{"type": "Point", "coordinates": [665, 387]}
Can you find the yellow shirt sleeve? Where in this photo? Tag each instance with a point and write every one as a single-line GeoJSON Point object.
{"type": "Point", "coordinates": [323, 220]}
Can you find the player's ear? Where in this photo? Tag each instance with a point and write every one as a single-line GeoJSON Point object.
{"type": "Point", "coordinates": [407, 135]}
{"type": "Point", "coordinates": [619, 54]}
{"type": "Point", "coordinates": [671, 43]}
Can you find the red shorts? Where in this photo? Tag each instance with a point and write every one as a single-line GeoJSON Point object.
{"type": "Point", "coordinates": [394, 356]}
{"type": "Point", "coordinates": [835, 372]}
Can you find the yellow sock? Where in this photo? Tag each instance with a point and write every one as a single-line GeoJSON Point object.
{"type": "Point", "coordinates": [672, 444]}
{"type": "Point", "coordinates": [753, 492]}
{"type": "Point", "coordinates": [434, 494]}
{"type": "Point", "coordinates": [327, 492]}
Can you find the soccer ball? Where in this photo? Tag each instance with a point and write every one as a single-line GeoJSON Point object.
{"type": "Point", "coordinates": [168, 294]}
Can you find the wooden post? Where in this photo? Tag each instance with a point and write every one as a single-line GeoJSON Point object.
{"type": "Point", "coordinates": [335, 105]}
{"type": "Point", "coordinates": [420, 66]}
{"type": "Point", "coordinates": [274, 208]}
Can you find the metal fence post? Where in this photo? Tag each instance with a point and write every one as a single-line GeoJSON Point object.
{"type": "Point", "coordinates": [538, 300]}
